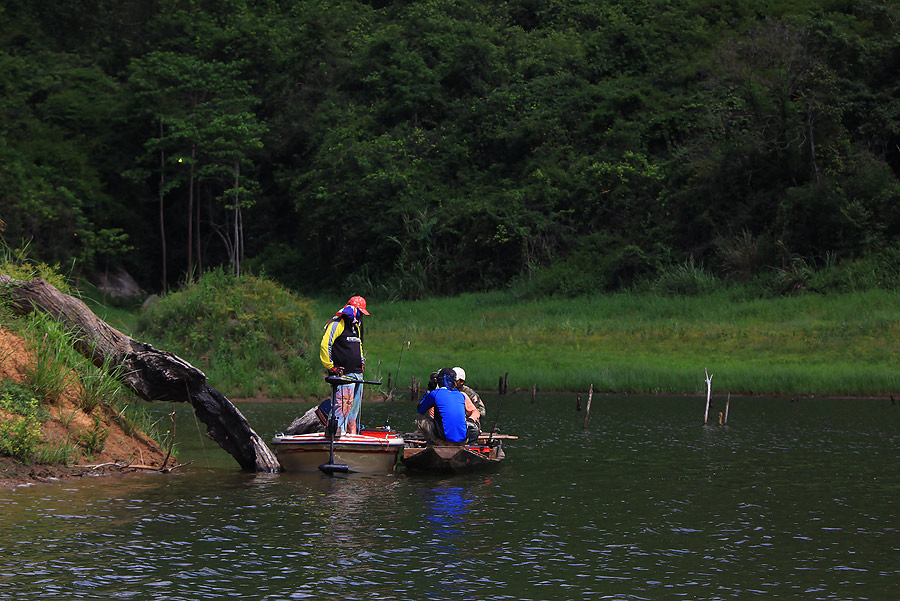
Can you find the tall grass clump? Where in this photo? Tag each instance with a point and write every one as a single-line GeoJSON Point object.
{"type": "Point", "coordinates": [51, 345]}
{"type": "Point", "coordinates": [99, 385]}
{"type": "Point", "coordinates": [685, 279]}
{"type": "Point", "coordinates": [249, 335]}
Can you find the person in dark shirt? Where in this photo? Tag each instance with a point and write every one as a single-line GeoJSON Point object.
{"type": "Point", "coordinates": [342, 354]}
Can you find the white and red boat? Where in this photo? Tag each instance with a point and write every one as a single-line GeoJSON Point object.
{"type": "Point", "coordinates": [373, 451]}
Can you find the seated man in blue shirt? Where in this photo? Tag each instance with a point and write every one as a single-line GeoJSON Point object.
{"type": "Point", "coordinates": [446, 415]}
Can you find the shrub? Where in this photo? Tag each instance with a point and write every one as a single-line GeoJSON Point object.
{"type": "Point", "coordinates": [245, 333]}
{"type": "Point", "coordinates": [865, 273]}
{"type": "Point", "coordinates": [21, 432]}
{"type": "Point", "coordinates": [686, 279]}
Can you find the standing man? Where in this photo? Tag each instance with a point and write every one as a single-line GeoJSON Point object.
{"type": "Point", "coordinates": [342, 354]}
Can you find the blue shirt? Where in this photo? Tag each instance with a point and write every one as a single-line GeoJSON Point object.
{"type": "Point", "coordinates": [449, 411]}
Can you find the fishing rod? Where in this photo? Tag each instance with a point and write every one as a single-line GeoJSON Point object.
{"type": "Point", "coordinates": [400, 358]}
{"type": "Point", "coordinates": [503, 386]}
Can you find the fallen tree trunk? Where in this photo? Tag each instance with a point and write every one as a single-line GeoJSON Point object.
{"type": "Point", "coordinates": [152, 374]}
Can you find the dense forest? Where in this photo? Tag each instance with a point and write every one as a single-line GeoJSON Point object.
{"type": "Point", "coordinates": [422, 147]}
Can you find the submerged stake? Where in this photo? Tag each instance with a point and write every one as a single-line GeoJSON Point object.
{"type": "Point", "coordinates": [587, 411]}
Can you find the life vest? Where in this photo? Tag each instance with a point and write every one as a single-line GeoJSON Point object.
{"type": "Point", "coordinates": [346, 348]}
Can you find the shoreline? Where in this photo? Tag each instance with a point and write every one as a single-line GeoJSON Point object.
{"type": "Point", "coordinates": [15, 474]}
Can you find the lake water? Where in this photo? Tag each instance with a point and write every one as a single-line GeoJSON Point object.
{"type": "Point", "coordinates": [792, 500]}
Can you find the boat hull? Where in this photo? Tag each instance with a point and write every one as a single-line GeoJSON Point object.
{"type": "Point", "coordinates": [360, 452]}
{"type": "Point", "coordinates": [451, 458]}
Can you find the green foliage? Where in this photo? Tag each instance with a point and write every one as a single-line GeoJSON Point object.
{"type": "Point", "coordinates": [874, 270]}
{"type": "Point", "coordinates": [54, 118]}
{"type": "Point", "coordinates": [17, 263]}
{"type": "Point", "coordinates": [249, 335]}
{"type": "Point", "coordinates": [20, 432]}
{"type": "Point", "coordinates": [19, 399]}
{"type": "Point", "coordinates": [421, 148]}
{"type": "Point", "coordinates": [62, 453]}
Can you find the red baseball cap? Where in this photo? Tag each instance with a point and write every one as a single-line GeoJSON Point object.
{"type": "Point", "coordinates": [358, 302]}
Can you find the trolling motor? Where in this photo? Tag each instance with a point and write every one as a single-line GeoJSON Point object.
{"type": "Point", "coordinates": [331, 427]}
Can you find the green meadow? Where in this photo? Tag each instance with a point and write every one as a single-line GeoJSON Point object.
{"type": "Point", "coordinates": [254, 338]}
{"type": "Point", "coordinates": [806, 345]}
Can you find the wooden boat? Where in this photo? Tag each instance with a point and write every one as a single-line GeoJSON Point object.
{"type": "Point", "coordinates": [371, 451]}
{"type": "Point", "coordinates": [422, 456]}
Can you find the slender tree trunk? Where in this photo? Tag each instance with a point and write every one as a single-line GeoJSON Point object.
{"type": "Point", "coordinates": [812, 145]}
{"type": "Point", "coordinates": [152, 374]}
{"type": "Point", "coordinates": [162, 222]}
{"type": "Point", "coordinates": [190, 258]}
{"type": "Point", "coordinates": [238, 226]}
{"type": "Point", "coordinates": [197, 235]}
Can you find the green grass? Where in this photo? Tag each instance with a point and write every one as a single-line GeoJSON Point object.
{"type": "Point", "coordinates": [253, 338]}
{"type": "Point", "coordinates": [805, 345]}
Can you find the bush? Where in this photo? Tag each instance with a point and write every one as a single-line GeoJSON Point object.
{"type": "Point", "coordinates": [598, 265]}
{"type": "Point", "coordinates": [246, 333]}
{"type": "Point", "coordinates": [856, 275]}
{"type": "Point", "coordinates": [686, 279]}
{"type": "Point", "coordinates": [21, 432]}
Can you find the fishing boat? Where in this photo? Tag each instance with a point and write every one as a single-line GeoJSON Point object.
{"type": "Point", "coordinates": [419, 455]}
{"type": "Point", "coordinates": [371, 451]}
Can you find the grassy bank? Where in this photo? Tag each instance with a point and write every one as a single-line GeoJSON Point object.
{"type": "Point", "coordinates": [637, 343]}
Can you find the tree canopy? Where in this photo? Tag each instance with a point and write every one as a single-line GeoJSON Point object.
{"type": "Point", "coordinates": [439, 146]}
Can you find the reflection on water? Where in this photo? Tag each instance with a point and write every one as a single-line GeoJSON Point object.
{"type": "Point", "coordinates": [445, 511]}
{"type": "Point", "coordinates": [795, 500]}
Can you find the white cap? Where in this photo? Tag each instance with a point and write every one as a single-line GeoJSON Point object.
{"type": "Point", "coordinates": [460, 373]}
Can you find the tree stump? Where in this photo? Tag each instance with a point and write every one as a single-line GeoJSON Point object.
{"type": "Point", "coordinates": [152, 374]}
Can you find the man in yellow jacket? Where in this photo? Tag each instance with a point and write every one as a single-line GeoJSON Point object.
{"type": "Point", "coordinates": [342, 354]}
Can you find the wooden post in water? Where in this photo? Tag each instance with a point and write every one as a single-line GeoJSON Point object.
{"type": "Point", "coordinates": [578, 403]}
{"type": "Point", "coordinates": [533, 392]}
{"type": "Point", "coordinates": [708, 394]}
{"type": "Point", "coordinates": [390, 395]}
{"type": "Point", "coordinates": [727, 402]}
{"type": "Point", "coordinates": [587, 411]}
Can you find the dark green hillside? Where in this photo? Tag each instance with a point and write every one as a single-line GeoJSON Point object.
{"type": "Point", "coordinates": [434, 147]}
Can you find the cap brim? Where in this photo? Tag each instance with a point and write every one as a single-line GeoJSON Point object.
{"type": "Point", "coordinates": [363, 310]}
